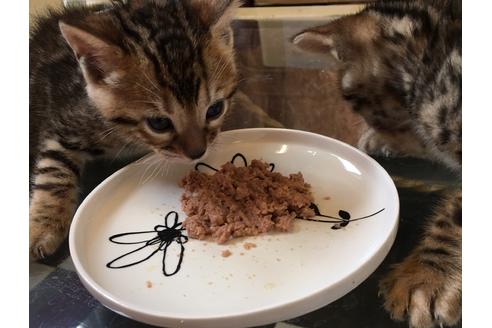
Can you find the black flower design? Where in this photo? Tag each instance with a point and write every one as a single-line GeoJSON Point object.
{"type": "Point", "coordinates": [166, 234]}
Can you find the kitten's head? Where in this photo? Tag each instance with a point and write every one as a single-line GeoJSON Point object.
{"type": "Point", "coordinates": [161, 71]}
{"type": "Point", "coordinates": [376, 54]}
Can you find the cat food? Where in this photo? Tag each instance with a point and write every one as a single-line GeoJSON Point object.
{"type": "Point", "coordinates": [226, 253]}
{"type": "Point", "coordinates": [248, 246]}
{"type": "Point", "coordinates": [243, 201]}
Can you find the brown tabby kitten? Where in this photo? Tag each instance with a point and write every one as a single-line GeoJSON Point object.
{"type": "Point", "coordinates": [399, 64]}
{"type": "Point", "coordinates": [156, 75]}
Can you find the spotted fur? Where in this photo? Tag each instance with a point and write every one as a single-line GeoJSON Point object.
{"type": "Point", "coordinates": [399, 65]}
{"type": "Point", "coordinates": [426, 286]}
{"type": "Point", "coordinates": [98, 74]}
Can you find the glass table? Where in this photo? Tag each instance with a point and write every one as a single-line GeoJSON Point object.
{"type": "Point", "coordinates": [279, 87]}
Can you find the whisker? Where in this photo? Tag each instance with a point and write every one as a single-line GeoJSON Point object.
{"type": "Point", "coordinates": [106, 134]}
{"type": "Point", "coordinates": [221, 71]}
{"type": "Point", "coordinates": [151, 164]}
{"type": "Point", "coordinates": [143, 159]}
{"type": "Point", "coordinates": [148, 90]}
{"type": "Point", "coordinates": [121, 150]}
{"type": "Point", "coordinates": [150, 80]}
{"type": "Point", "coordinates": [167, 168]}
{"type": "Point", "coordinates": [159, 171]}
{"type": "Point", "coordinates": [153, 175]}
{"type": "Point", "coordinates": [255, 78]}
{"type": "Point", "coordinates": [217, 67]}
{"type": "Point", "coordinates": [225, 138]}
{"type": "Point", "coordinates": [151, 102]}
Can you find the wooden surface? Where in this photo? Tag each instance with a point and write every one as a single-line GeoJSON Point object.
{"type": "Point", "coordinates": [305, 2]}
{"type": "Point", "coordinates": [38, 6]}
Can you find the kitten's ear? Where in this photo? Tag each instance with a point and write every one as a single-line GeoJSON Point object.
{"type": "Point", "coordinates": [341, 38]}
{"type": "Point", "coordinates": [97, 57]}
{"type": "Point", "coordinates": [316, 42]}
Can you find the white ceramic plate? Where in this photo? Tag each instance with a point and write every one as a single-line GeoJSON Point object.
{"type": "Point", "coordinates": [286, 275]}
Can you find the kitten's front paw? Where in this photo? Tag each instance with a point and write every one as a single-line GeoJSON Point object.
{"type": "Point", "coordinates": [373, 143]}
{"type": "Point", "coordinates": [44, 238]}
{"type": "Point", "coordinates": [426, 296]}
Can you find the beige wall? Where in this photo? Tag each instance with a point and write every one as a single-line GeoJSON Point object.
{"type": "Point", "coordinates": [38, 6]}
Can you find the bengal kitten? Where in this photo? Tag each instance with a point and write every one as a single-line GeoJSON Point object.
{"type": "Point", "coordinates": [154, 75]}
{"type": "Point", "coordinates": [399, 65]}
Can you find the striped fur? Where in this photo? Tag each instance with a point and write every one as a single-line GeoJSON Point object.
{"type": "Point", "coordinates": [99, 74]}
{"type": "Point", "coordinates": [399, 65]}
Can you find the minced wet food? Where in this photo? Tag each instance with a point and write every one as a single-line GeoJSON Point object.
{"type": "Point", "coordinates": [243, 201]}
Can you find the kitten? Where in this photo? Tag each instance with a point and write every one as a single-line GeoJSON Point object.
{"type": "Point", "coordinates": [399, 65]}
{"type": "Point", "coordinates": [151, 75]}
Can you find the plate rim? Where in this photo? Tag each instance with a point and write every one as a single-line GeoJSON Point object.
{"type": "Point", "coordinates": [136, 312]}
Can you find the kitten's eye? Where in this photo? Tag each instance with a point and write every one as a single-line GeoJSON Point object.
{"type": "Point", "coordinates": [160, 124]}
{"type": "Point", "coordinates": [215, 110]}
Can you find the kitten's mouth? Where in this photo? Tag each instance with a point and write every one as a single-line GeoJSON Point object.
{"type": "Point", "coordinates": [180, 158]}
{"type": "Point", "coordinates": [197, 160]}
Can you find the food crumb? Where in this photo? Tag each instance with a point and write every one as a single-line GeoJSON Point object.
{"type": "Point", "coordinates": [248, 246]}
{"type": "Point", "coordinates": [210, 283]}
{"type": "Point", "coordinates": [149, 284]}
{"type": "Point", "coordinates": [327, 198]}
{"type": "Point", "coordinates": [226, 253]}
{"type": "Point", "coordinates": [241, 254]}
{"type": "Point", "coordinates": [278, 260]}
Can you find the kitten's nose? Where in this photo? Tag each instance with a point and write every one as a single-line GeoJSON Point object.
{"type": "Point", "coordinates": [195, 153]}
{"type": "Point", "coordinates": [193, 142]}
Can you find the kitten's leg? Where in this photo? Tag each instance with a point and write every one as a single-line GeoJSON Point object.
{"type": "Point", "coordinates": [53, 197]}
{"type": "Point", "coordinates": [426, 286]}
{"type": "Point", "coordinates": [379, 142]}
{"type": "Point", "coordinates": [371, 142]}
